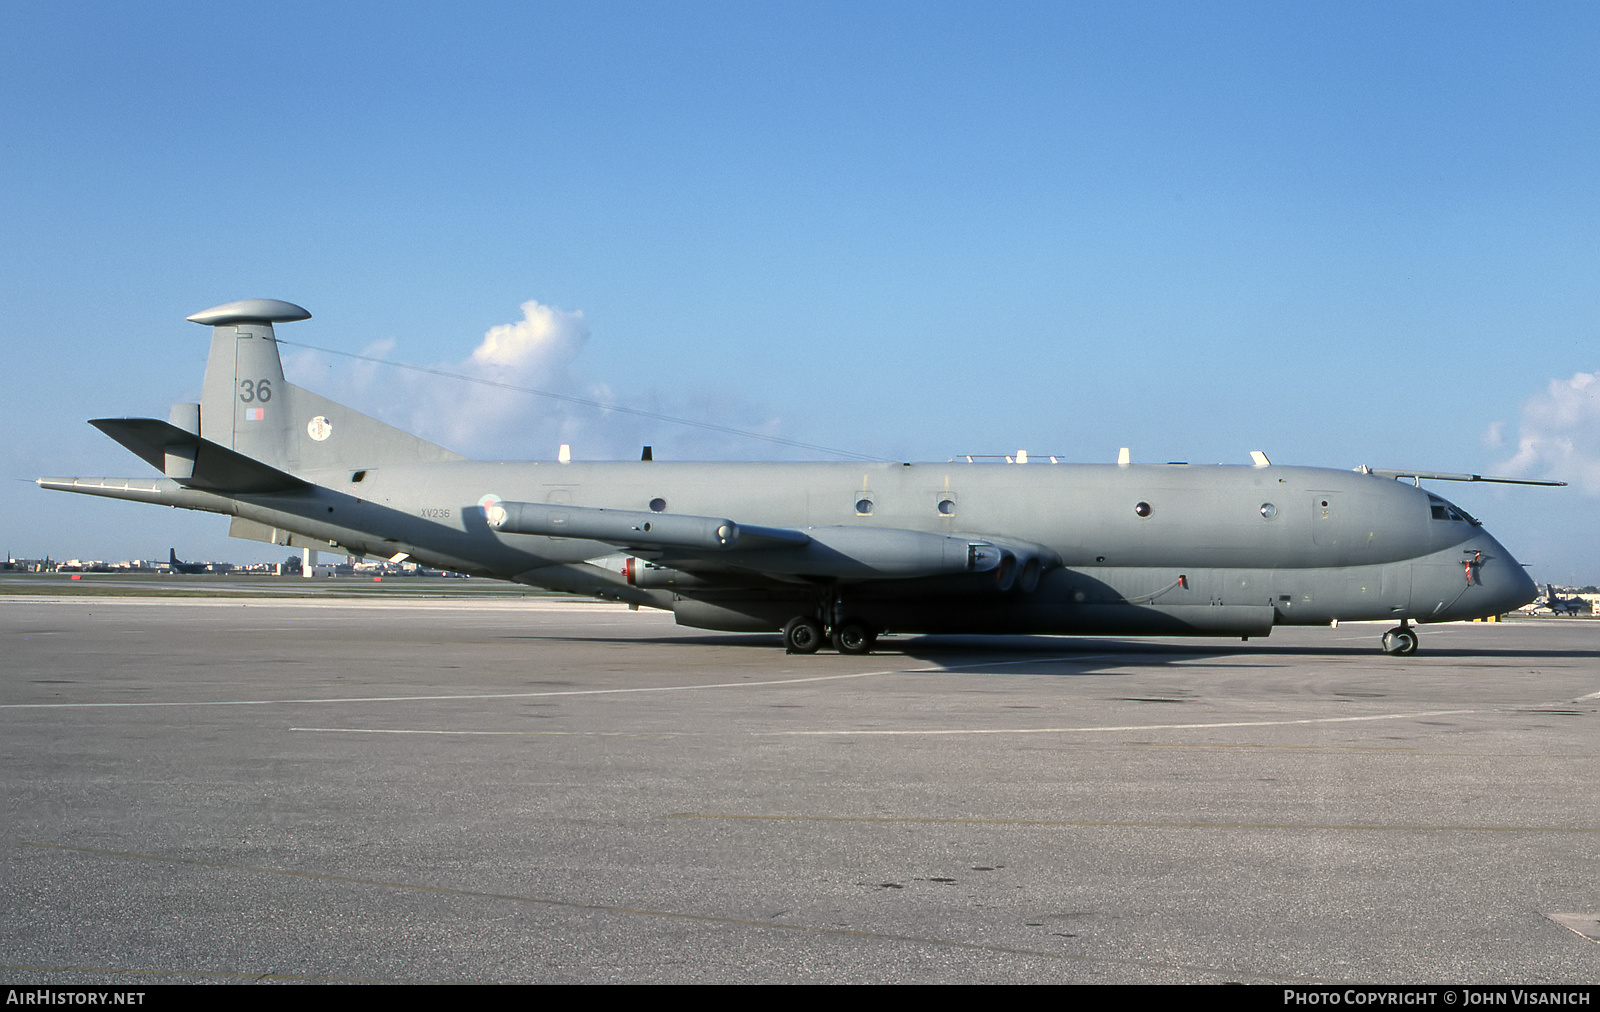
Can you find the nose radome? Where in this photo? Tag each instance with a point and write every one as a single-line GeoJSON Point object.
{"type": "Point", "coordinates": [1509, 585]}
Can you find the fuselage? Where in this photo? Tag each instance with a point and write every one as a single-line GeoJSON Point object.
{"type": "Point", "coordinates": [1308, 545]}
{"type": "Point", "coordinates": [842, 550]}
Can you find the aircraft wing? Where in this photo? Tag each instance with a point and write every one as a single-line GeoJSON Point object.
{"type": "Point", "coordinates": [847, 553]}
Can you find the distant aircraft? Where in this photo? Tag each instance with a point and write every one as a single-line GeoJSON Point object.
{"type": "Point", "coordinates": [1558, 605]}
{"type": "Point", "coordinates": [824, 551]}
{"type": "Point", "coordinates": [186, 568]}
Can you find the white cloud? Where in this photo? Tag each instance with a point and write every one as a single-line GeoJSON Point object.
{"type": "Point", "coordinates": [1559, 435]}
{"type": "Point", "coordinates": [490, 418]}
{"type": "Point", "coordinates": [544, 338]}
{"type": "Point", "coordinates": [536, 352]}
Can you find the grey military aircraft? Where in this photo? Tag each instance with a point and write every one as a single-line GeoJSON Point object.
{"type": "Point", "coordinates": [177, 565]}
{"type": "Point", "coordinates": [1558, 605]}
{"type": "Point", "coordinates": [838, 552]}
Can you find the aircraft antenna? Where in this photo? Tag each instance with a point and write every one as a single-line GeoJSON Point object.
{"type": "Point", "coordinates": [602, 405]}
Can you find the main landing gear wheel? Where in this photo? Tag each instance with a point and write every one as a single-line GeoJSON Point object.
{"type": "Point", "coordinates": [853, 638]}
{"type": "Point", "coordinates": [1401, 641]}
{"type": "Point", "coordinates": [802, 636]}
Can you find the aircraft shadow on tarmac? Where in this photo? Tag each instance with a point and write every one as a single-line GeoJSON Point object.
{"type": "Point", "coordinates": [1011, 654]}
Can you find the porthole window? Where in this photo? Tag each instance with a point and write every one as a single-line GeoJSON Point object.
{"type": "Point", "coordinates": [863, 506]}
{"type": "Point", "coordinates": [1141, 509]}
{"type": "Point", "coordinates": [947, 507]}
{"type": "Point", "coordinates": [1268, 510]}
{"type": "Point", "coordinates": [658, 505]}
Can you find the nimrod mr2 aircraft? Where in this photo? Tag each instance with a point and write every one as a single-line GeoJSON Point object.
{"type": "Point", "coordinates": [824, 552]}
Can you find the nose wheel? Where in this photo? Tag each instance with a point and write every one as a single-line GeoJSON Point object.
{"type": "Point", "coordinates": [1401, 641]}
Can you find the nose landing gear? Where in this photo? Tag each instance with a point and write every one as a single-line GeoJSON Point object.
{"type": "Point", "coordinates": [1401, 641]}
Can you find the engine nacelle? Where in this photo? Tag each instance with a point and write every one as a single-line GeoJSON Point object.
{"type": "Point", "coordinates": [640, 573]}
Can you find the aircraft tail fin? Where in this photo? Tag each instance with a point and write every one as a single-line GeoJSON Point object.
{"type": "Point", "coordinates": [246, 405]}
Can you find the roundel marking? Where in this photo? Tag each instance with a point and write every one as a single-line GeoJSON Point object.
{"type": "Point", "coordinates": [492, 510]}
{"type": "Point", "coordinates": [319, 428]}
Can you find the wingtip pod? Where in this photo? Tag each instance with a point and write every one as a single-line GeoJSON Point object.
{"type": "Point", "coordinates": [250, 311]}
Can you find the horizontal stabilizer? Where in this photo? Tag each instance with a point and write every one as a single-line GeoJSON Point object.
{"type": "Point", "coordinates": [215, 468]}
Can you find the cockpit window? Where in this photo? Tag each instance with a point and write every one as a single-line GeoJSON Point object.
{"type": "Point", "coordinates": [1446, 511]}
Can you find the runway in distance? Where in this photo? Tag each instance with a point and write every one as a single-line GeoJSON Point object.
{"type": "Point", "coordinates": [825, 552]}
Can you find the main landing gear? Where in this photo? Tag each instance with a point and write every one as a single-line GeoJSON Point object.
{"type": "Point", "coordinates": [802, 636]}
{"type": "Point", "coordinates": [1401, 641]}
{"type": "Point", "coordinates": [805, 636]}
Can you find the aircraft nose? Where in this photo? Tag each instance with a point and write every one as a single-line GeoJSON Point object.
{"type": "Point", "coordinates": [1508, 585]}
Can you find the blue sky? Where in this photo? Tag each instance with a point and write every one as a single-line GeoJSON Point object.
{"type": "Point", "coordinates": [1341, 233]}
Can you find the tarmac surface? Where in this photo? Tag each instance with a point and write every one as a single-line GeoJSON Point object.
{"type": "Point", "coordinates": [480, 790]}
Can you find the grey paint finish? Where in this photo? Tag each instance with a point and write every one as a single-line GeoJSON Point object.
{"type": "Point", "coordinates": [927, 547]}
{"type": "Point", "coordinates": [266, 311]}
